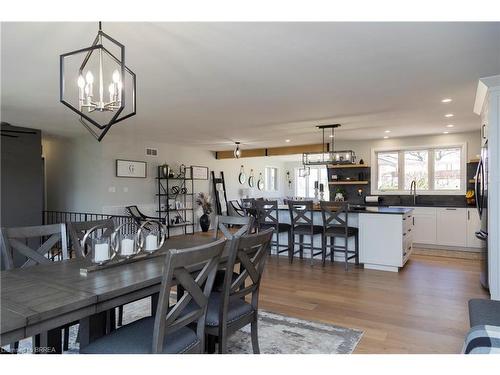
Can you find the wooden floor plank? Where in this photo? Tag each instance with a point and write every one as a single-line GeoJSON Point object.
{"type": "Point", "coordinates": [422, 309]}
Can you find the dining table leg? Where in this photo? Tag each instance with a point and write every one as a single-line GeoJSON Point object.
{"type": "Point", "coordinates": [92, 327]}
{"type": "Point", "coordinates": [49, 342]}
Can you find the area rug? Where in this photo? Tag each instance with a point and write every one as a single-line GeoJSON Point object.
{"type": "Point", "coordinates": [278, 334]}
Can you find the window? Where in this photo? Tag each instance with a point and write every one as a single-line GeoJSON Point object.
{"type": "Point", "coordinates": [304, 186]}
{"type": "Point", "coordinates": [416, 169]}
{"type": "Point", "coordinates": [447, 171]}
{"type": "Point", "coordinates": [387, 170]}
{"type": "Point", "coordinates": [271, 179]}
{"type": "Point", "coordinates": [434, 169]}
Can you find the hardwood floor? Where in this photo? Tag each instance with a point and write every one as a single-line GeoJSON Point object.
{"type": "Point", "coordinates": [422, 309]}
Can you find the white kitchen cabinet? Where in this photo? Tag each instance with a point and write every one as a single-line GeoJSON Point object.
{"type": "Point", "coordinates": [425, 225]}
{"type": "Point", "coordinates": [473, 225]}
{"type": "Point", "coordinates": [385, 241]}
{"type": "Point", "coordinates": [451, 226]}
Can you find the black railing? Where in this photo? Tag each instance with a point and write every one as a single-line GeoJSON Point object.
{"type": "Point", "coordinates": [56, 217]}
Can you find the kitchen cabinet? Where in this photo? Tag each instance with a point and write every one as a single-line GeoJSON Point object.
{"type": "Point", "coordinates": [425, 225]}
{"type": "Point", "coordinates": [385, 241]}
{"type": "Point", "coordinates": [473, 225]}
{"type": "Point", "coordinates": [451, 226]}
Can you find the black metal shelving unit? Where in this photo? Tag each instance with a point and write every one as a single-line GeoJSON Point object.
{"type": "Point", "coordinates": [166, 197]}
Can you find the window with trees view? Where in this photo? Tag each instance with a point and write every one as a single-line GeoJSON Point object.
{"type": "Point", "coordinates": [436, 169]}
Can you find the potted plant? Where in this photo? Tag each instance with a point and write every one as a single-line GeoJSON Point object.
{"type": "Point", "coordinates": [203, 200]}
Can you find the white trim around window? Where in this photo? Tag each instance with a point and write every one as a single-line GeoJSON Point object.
{"type": "Point", "coordinates": [271, 179]}
{"type": "Point", "coordinates": [401, 190]}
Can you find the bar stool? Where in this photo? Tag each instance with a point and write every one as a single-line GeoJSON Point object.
{"type": "Point", "coordinates": [335, 225]}
{"type": "Point", "coordinates": [248, 205]}
{"type": "Point", "coordinates": [301, 218]}
{"type": "Point", "coordinates": [267, 217]}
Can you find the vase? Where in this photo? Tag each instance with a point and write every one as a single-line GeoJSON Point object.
{"type": "Point", "coordinates": [204, 222]}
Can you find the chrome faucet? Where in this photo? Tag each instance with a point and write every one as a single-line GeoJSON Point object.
{"type": "Point", "coordinates": [413, 191]}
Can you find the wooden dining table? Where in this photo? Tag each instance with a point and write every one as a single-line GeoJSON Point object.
{"type": "Point", "coordinates": [38, 300]}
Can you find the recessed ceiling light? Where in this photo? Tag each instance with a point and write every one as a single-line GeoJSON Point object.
{"type": "Point", "coordinates": [386, 137]}
{"type": "Point", "coordinates": [449, 115]}
{"type": "Point", "coordinates": [387, 131]}
{"type": "Point", "coordinates": [450, 125]}
{"type": "Point", "coordinates": [287, 140]}
{"type": "Point", "coordinates": [445, 132]}
{"type": "Point", "coordinates": [446, 100]}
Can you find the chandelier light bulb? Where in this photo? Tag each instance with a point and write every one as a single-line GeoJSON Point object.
{"type": "Point", "coordinates": [89, 77]}
{"type": "Point", "coordinates": [111, 89]}
{"type": "Point", "coordinates": [87, 90]}
{"type": "Point", "coordinates": [116, 76]}
{"type": "Point", "coordinates": [81, 81]}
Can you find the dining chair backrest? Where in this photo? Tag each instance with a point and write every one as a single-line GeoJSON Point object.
{"type": "Point", "coordinates": [178, 266]}
{"type": "Point", "coordinates": [77, 231]}
{"type": "Point", "coordinates": [267, 212]}
{"type": "Point", "coordinates": [250, 251]}
{"type": "Point", "coordinates": [335, 215]}
{"type": "Point", "coordinates": [21, 241]}
{"type": "Point", "coordinates": [301, 213]}
{"type": "Point", "coordinates": [222, 224]}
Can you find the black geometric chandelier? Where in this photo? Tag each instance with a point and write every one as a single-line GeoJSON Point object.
{"type": "Point", "coordinates": [84, 90]}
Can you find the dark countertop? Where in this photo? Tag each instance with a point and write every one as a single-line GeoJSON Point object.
{"type": "Point", "coordinates": [369, 210]}
{"type": "Point", "coordinates": [384, 210]}
{"type": "Point", "coordinates": [424, 205]}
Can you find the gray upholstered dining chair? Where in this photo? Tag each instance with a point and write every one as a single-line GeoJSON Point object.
{"type": "Point", "coordinates": [335, 225]}
{"type": "Point", "coordinates": [29, 246]}
{"type": "Point", "coordinates": [228, 311]}
{"type": "Point", "coordinates": [170, 331]}
{"type": "Point", "coordinates": [223, 224]}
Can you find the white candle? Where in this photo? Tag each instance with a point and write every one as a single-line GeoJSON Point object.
{"type": "Point", "coordinates": [151, 242]}
{"type": "Point", "coordinates": [101, 252]}
{"type": "Point", "coordinates": [127, 245]}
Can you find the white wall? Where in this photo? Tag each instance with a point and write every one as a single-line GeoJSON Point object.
{"type": "Point", "coordinates": [80, 173]}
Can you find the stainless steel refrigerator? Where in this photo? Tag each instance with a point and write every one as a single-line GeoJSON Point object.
{"type": "Point", "coordinates": [481, 192]}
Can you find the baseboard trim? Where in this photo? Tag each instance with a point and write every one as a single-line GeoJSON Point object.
{"type": "Point", "coordinates": [442, 247]}
{"type": "Point", "coordinates": [447, 253]}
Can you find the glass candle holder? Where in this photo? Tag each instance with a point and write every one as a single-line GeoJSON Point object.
{"type": "Point", "coordinates": [101, 250]}
{"type": "Point", "coordinates": [151, 242]}
{"type": "Point", "coordinates": [127, 245]}
{"type": "Point", "coordinates": [150, 236]}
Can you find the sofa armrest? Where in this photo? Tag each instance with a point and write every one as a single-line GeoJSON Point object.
{"type": "Point", "coordinates": [484, 312]}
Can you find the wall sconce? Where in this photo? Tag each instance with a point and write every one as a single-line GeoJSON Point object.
{"type": "Point", "coordinates": [288, 179]}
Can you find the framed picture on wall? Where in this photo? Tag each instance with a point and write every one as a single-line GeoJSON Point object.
{"type": "Point", "coordinates": [131, 168]}
{"type": "Point", "coordinates": [199, 173]}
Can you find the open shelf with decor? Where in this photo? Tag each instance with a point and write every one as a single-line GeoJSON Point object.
{"type": "Point", "coordinates": [343, 166]}
{"type": "Point", "coordinates": [175, 201]}
{"type": "Point", "coordinates": [348, 182]}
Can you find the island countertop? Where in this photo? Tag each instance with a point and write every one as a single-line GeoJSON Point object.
{"type": "Point", "coordinates": [368, 210]}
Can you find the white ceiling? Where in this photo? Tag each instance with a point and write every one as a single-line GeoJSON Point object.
{"type": "Point", "coordinates": [209, 84]}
